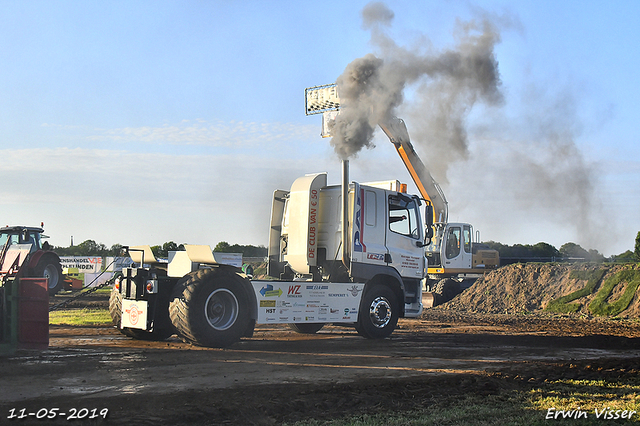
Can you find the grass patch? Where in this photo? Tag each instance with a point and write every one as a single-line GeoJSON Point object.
{"type": "Point", "coordinates": [561, 305]}
{"type": "Point", "coordinates": [577, 400]}
{"type": "Point", "coordinates": [468, 411]}
{"type": "Point", "coordinates": [599, 305]}
{"type": "Point", "coordinates": [100, 291]}
{"type": "Point", "coordinates": [80, 317]}
{"type": "Point", "coordinates": [590, 396]}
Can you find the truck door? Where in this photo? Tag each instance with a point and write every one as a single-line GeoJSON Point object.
{"type": "Point", "coordinates": [368, 233]}
{"type": "Point", "coordinates": [457, 247]}
{"type": "Point", "coordinates": [404, 236]}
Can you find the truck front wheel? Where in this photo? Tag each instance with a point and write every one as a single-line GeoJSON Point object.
{"type": "Point", "coordinates": [210, 307]}
{"type": "Point", "coordinates": [379, 311]}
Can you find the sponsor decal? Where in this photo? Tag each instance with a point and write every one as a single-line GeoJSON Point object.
{"type": "Point", "coordinates": [354, 290]}
{"type": "Point", "coordinates": [268, 291]}
{"type": "Point", "coordinates": [134, 314]}
{"type": "Point", "coordinates": [375, 256]}
{"type": "Point", "coordinates": [294, 291]}
{"type": "Point", "coordinates": [313, 211]}
{"type": "Point", "coordinates": [358, 235]}
{"type": "Point", "coordinates": [410, 261]}
{"type": "Point", "coordinates": [317, 287]}
{"type": "Point", "coordinates": [267, 303]}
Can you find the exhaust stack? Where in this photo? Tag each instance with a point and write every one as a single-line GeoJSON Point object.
{"type": "Point", "coordinates": [345, 213]}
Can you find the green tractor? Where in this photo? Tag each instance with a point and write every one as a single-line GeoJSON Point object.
{"type": "Point", "coordinates": [41, 261]}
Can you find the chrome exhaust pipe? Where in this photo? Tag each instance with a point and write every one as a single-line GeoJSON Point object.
{"type": "Point", "coordinates": [345, 213]}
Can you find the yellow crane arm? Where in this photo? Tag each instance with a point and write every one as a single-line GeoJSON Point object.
{"type": "Point", "coordinates": [396, 131]}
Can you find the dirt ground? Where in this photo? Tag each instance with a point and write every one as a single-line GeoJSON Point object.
{"type": "Point", "coordinates": [279, 376]}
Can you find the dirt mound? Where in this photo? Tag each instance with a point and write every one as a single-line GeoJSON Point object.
{"type": "Point", "coordinates": [529, 288]}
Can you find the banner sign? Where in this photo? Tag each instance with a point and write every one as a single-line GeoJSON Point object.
{"type": "Point", "coordinates": [300, 302]}
{"type": "Point", "coordinates": [84, 264]}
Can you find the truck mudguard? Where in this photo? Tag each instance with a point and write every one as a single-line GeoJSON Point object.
{"type": "Point", "coordinates": [366, 272]}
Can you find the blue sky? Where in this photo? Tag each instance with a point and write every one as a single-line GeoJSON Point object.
{"type": "Point", "coordinates": [140, 122]}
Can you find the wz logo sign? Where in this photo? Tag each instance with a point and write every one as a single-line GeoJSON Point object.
{"type": "Point", "coordinates": [294, 291]}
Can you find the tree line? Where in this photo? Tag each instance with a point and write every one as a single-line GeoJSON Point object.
{"type": "Point", "coordinates": [546, 251]}
{"type": "Point", "coordinates": [91, 248]}
{"type": "Point", "coordinates": [568, 251]}
{"type": "Point", "coordinates": [517, 251]}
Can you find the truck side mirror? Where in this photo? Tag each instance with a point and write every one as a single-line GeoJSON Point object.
{"type": "Point", "coordinates": [428, 222]}
{"type": "Point", "coordinates": [428, 215]}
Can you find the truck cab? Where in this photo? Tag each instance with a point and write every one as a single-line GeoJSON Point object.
{"type": "Point", "coordinates": [384, 228]}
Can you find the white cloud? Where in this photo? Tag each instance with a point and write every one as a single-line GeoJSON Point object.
{"type": "Point", "coordinates": [117, 196]}
{"type": "Point", "coordinates": [237, 134]}
{"type": "Point", "coordinates": [205, 196]}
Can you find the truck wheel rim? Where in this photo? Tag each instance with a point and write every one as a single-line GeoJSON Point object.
{"type": "Point", "coordinates": [221, 309]}
{"type": "Point", "coordinates": [380, 312]}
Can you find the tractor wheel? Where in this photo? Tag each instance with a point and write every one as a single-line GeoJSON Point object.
{"type": "Point", "coordinates": [306, 327]}
{"type": "Point", "coordinates": [115, 309]}
{"type": "Point", "coordinates": [211, 307]}
{"type": "Point", "coordinates": [49, 267]}
{"type": "Point", "coordinates": [379, 310]}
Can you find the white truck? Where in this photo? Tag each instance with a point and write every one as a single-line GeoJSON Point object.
{"type": "Point", "coordinates": [367, 273]}
{"type": "Point", "coordinates": [350, 253]}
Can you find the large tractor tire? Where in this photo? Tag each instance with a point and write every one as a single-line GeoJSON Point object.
{"type": "Point", "coordinates": [306, 327]}
{"type": "Point", "coordinates": [211, 307]}
{"type": "Point", "coordinates": [49, 267]}
{"type": "Point", "coordinates": [379, 312]}
{"type": "Point", "coordinates": [115, 309]}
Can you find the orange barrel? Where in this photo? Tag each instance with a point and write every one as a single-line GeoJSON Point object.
{"type": "Point", "coordinates": [33, 313]}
